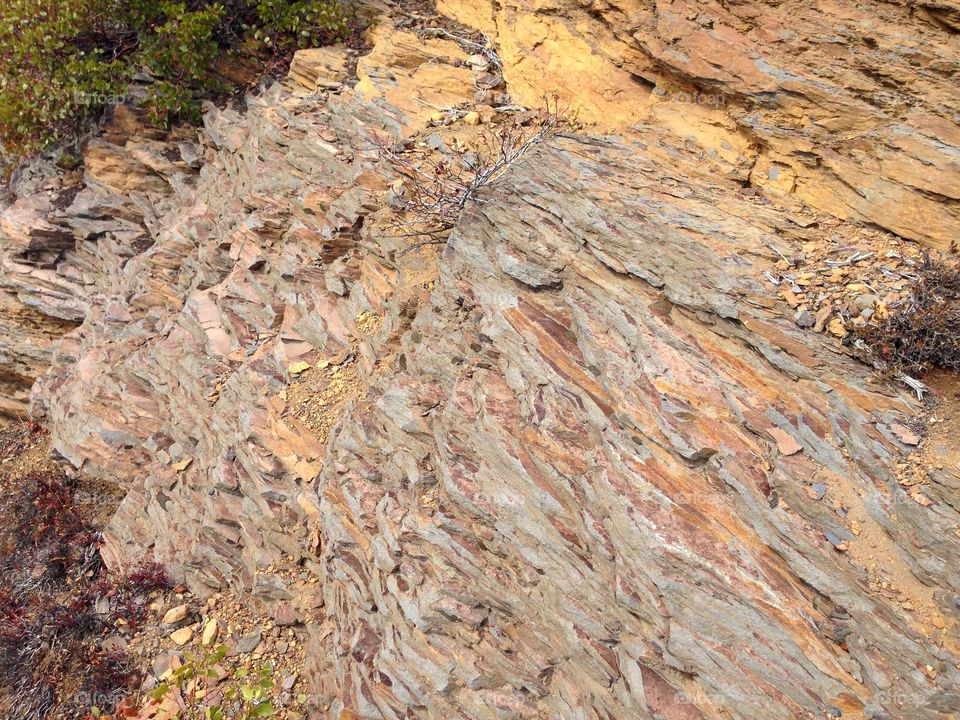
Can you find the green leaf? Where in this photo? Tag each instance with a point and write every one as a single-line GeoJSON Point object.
{"type": "Point", "coordinates": [264, 709]}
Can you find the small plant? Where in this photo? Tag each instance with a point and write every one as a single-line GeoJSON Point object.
{"type": "Point", "coordinates": [924, 332]}
{"type": "Point", "coordinates": [200, 688]}
{"type": "Point", "coordinates": [52, 618]}
{"type": "Point", "coordinates": [148, 577]}
{"type": "Point", "coordinates": [64, 62]}
{"type": "Point", "coordinates": [442, 188]}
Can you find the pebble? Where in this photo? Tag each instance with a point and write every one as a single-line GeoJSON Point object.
{"type": "Point", "coordinates": [165, 663]}
{"type": "Point", "coordinates": [176, 615]}
{"type": "Point", "coordinates": [249, 643]}
{"type": "Point", "coordinates": [477, 61]}
{"type": "Point", "coordinates": [836, 327]}
{"type": "Point", "coordinates": [209, 632]}
{"type": "Point", "coordinates": [835, 540]}
{"type": "Point", "coordinates": [805, 319]}
{"type": "Point", "coordinates": [865, 301]}
{"type": "Point", "coordinates": [472, 118]}
{"type": "Point", "coordinates": [181, 636]}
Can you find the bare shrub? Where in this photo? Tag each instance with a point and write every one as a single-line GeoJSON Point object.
{"type": "Point", "coordinates": [442, 187]}
{"type": "Point", "coordinates": [924, 332]}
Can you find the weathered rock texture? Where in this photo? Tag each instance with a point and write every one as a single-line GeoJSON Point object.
{"type": "Point", "coordinates": [851, 106]}
{"type": "Point", "coordinates": [588, 467]}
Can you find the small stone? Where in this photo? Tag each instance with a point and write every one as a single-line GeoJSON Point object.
{"type": "Point", "coordinates": [249, 643]}
{"type": "Point", "coordinates": [298, 367]}
{"type": "Point", "coordinates": [488, 81]}
{"type": "Point", "coordinates": [102, 605]}
{"type": "Point", "coordinates": [865, 301]}
{"type": "Point", "coordinates": [817, 491]}
{"type": "Point", "coordinates": [165, 663]}
{"type": "Point", "coordinates": [921, 499]}
{"type": "Point", "coordinates": [181, 636]}
{"type": "Point", "coordinates": [176, 615]}
{"type": "Point", "coordinates": [209, 632]}
{"type": "Point", "coordinates": [804, 319]}
{"type": "Point", "coordinates": [472, 118]}
{"type": "Point", "coordinates": [792, 299]}
{"type": "Point", "coordinates": [289, 682]}
{"type": "Point", "coordinates": [835, 540]}
{"type": "Point", "coordinates": [905, 434]}
{"type": "Point", "coordinates": [285, 614]}
{"type": "Point", "coordinates": [477, 61]}
{"type": "Point", "coordinates": [823, 315]}
{"type": "Point", "coordinates": [785, 442]}
{"type": "Point", "coordinates": [836, 327]}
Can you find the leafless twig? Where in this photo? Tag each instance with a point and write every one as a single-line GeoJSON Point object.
{"type": "Point", "coordinates": [440, 189]}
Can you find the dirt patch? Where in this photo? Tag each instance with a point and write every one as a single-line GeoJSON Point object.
{"type": "Point", "coordinates": [318, 397]}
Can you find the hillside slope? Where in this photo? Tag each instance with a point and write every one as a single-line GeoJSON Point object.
{"type": "Point", "coordinates": [579, 461]}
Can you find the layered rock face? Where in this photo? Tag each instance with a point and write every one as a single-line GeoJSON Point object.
{"type": "Point", "coordinates": [67, 235]}
{"type": "Point", "coordinates": [851, 107]}
{"type": "Point", "coordinates": [578, 462]}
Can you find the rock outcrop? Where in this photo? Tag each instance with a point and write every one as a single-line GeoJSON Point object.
{"type": "Point", "coordinates": [851, 107]}
{"type": "Point", "coordinates": [579, 461]}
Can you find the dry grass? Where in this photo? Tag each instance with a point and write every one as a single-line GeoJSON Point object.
{"type": "Point", "coordinates": [439, 188]}
{"type": "Point", "coordinates": [57, 601]}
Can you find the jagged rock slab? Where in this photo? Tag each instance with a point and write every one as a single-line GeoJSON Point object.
{"type": "Point", "coordinates": [577, 500]}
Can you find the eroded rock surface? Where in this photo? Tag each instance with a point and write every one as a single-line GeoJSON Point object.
{"type": "Point", "coordinates": [850, 106]}
{"type": "Point", "coordinates": [582, 463]}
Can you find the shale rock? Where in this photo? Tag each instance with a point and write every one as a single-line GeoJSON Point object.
{"type": "Point", "coordinates": [558, 467]}
{"type": "Point", "coordinates": [850, 107]}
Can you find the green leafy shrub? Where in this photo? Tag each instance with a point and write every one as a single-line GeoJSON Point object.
{"type": "Point", "coordinates": [202, 690]}
{"type": "Point", "coordinates": [288, 24]}
{"type": "Point", "coordinates": [62, 61]}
